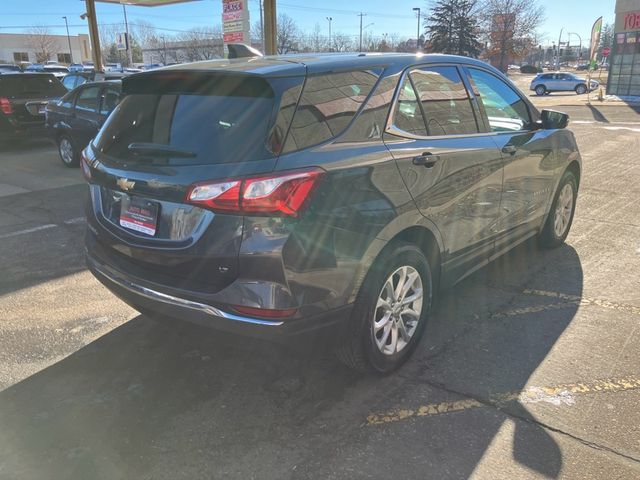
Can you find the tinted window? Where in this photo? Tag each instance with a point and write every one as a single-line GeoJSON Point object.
{"type": "Point", "coordinates": [504, 108]}
{"type": "Point", "coordinates": [88, 99]}
{"type": "Point", "coordinates": [546, 76]}
{"type": "Point", "coordinates": [445, 101]}
{"type": "Point", "coordinates": [110, 98]}
{"type": "Point", "coordinates": [327, 106]}
{"type": "Point", "coordinates": [408, 116]}
{"type": "Point", "coordinates": [25, 86]}
{"type": "Point", "coordinates": [67, 100]}
{"type": "Point", "coordinates": [371, 121]}
{"type": "Point", "coordinates": [69, 81]}
{"type": "Point", "coordinates": [218, 118]}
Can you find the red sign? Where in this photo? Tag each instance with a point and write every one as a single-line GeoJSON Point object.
{"type": "Point", "coordinates": [233, 37]}
{"type": "Point", "coordinates": [231, 7]}
{"type": "Point", "coordinates": [632, 21]}
{"type": "Point", "coordinates": [606, 51]}
{"type": "Point", "coordinates": [231, 16]}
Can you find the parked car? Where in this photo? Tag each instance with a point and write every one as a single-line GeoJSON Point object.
{"type": "Point", "coordinates": [74, 80]}
{"type": "Point", "coordinates": [9, 68]}
{"type": "Point", "coordinates": [582, 66]}
{"type": "Point", "coordinates": [58, 71]}
{"type": "Point", "coordinates": [561, 82]}
{"type": "Point", "coordinates": [287, 195]}
{"type": "Point", "coordinates": [23, 97]}
{"type": "Point", "coordinates": [75, 119]}
{"type": "Point", "coordinates": [76, 67]}
{"type": "Point", "coordinates": [530, 69]}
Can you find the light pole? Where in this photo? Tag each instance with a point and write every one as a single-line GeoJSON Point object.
{"type": "Point", "coordinates": [361, 15]}
{"type": "Point", "coordinates": [580, 47]}
{"type": "Point", "coordinates": [126, 30]}
{"type": "Point", "coordinates": [559, 44]}
{"type": "Point", "coordinates": [364, 28]}
{"type": "Point", "coordinates": [68, 39]}
{"type": "Point", "coordinates": [330, 20]}
{"type": "Point", "coordinates": [417, 9]}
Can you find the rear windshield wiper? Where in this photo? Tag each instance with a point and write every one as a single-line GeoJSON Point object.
{"type": "Point", "coordinates": [159, 149]}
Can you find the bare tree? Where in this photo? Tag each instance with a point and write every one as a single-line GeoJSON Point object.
{"type": "Point", "coordinates": [287, 34]}
{"type": "Point", "coordinates": [341, 42]}
{"type": "Point", "coordinates": [317, 41]}
{"type": "Point", "coordinates": [44, 44]}
{"type": "Point", "coordinates": [144, 33]}
{"type": "Point", "coordinates": [202, 43]}
{"type": "Point", "coordinates": [256, 32]}
{"type": "Point", "coordinates": [508, 24]}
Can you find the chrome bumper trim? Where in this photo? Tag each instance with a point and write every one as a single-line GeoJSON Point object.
{"type": "Point", "coordinates": [176, 301]}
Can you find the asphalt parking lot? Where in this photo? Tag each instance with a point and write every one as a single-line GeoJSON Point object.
{"type": "Point", "coordinates": [530, 368]}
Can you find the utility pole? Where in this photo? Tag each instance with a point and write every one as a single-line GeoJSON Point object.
{"type": "Point", "coordinates": [330, 20]}
{"type": "Point", "coordinates": [90, 15]}
{"type": "Point", "coordinates": [68, 39]}
{"type": "Point", "coordinates": [270, 27]}
{"type": "Point", "coordinates": [416, 9]}
{"type": "Point", "coordinates": [126, 30]}
{"type": "Point", "coordinates": [558, 56]}
{"type": "Point", "coordinates": [361, 15]}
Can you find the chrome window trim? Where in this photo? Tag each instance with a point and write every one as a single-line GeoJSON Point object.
{"type": "Point", "coordinates": [392, 129]}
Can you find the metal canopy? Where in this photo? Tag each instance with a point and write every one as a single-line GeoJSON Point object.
{"type": "Point", "coordinates": [269, 14]}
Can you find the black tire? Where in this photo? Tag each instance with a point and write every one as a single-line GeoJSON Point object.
{"type": "Point", "coordinates": [540, 90]}
{"type": "Point", "coordinates": [359, 350]}
{"type": "Point", "coordinates": [581, 89]}
{"type": "Point", "coordinates": [69, 159]}
{"type": "Point", "coordinates": [549, 237]}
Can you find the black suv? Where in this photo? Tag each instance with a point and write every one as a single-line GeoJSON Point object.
{"type": "Point", "coordinates": [283, 195]}
{"type": "Point", "coordinates": [23, 97]}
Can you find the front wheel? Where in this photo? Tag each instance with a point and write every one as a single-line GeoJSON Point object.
{"type": "Point", "coordinates": [391, 311]}
{"type": "Point", "coordinates": [581, 89]}
{"type": "Point", "coordinates": [67, 151]}
{"type": "Point", "coordinates": [558, 223]}
{"type": "Point", "coordinates": [540, 90]}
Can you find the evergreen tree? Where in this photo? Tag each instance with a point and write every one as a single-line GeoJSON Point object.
{"type": "Point", "coordinates": [452, 27]}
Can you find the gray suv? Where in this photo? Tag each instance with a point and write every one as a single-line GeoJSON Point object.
{"type": "Point", "coordinates": [284, 196]}
{"type": "Point", "coordinates": [545, 83]}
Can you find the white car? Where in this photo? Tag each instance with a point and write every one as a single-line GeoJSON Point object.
{"type": "Point", "coordinates": [545, 83]}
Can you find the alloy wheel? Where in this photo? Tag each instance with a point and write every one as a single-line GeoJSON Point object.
{"type": "Point", "coordinates": [563, 211]}
{"type": "Point", "coordinates": [66, 150]}
{"type": "Point", "coordinates": [398, 310]}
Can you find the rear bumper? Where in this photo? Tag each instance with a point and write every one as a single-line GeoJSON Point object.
{"type": "Point", "coordinates": [150, 298]}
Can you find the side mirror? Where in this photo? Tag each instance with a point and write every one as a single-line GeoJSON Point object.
{"type": "Point", "coordinates": [552, 120]}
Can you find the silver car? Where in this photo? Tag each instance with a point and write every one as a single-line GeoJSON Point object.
{"type": "Point", "coordinates": [545, 83]}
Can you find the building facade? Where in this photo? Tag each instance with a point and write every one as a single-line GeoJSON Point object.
{"type": "Point", "coordinates": [35, 48]}
{"type": "Point", "coordinates": [624, 72]}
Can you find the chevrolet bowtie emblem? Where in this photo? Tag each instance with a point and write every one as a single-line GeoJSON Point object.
{"type": "Point", "coordinates": [125, 184]}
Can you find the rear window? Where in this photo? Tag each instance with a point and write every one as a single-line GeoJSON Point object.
{"type": "Point", "coordinates": [214, 118]}
{"type": "Point", "coordinates": [25, 86]}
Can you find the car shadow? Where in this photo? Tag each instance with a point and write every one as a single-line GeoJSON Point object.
{"type": "Point", "coordinates": [160, 399]}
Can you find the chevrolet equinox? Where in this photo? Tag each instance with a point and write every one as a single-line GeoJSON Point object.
{"type": "Point", "coordinates": [289, 194]}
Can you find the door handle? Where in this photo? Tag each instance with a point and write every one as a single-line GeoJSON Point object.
{"type": "Point", "coordinates": [510, 149]}
{"type": "Point", "coordinates": [427, 159]}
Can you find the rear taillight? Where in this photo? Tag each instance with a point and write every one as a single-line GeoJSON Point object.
{"type": "Point", "coordinates": [283, 194]}
{"type": "Point", "coordinates": [5, 106]}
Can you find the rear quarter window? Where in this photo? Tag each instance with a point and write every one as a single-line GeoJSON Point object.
{"type": "Point", "coordinates": [327, 105]}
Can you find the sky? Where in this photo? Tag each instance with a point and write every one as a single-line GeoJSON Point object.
{"type": "Point", "coordinates": [383, 16]}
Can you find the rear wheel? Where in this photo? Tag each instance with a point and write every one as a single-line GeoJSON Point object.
{"type": "Point", "coordinates": [581, 89]}
{"type": "Point", "coordinates": [67, 151]}
{"type": "Point", "coordinates": [558, 223]}
{"type": "Point", "coordinates": [391, 311]}
{"type": "Point", "coordinates": [540, 90]}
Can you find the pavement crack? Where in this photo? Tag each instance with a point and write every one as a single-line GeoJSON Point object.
{"type": "Point", "coordinates": [506, 410]}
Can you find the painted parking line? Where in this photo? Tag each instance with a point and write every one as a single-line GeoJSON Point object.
{"type": "Point", "coordinates": [561, 394]}
{"type": "Point", "coordinates": [568, 301]}
{"type": "Point", "coordinates": [71, 221]}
